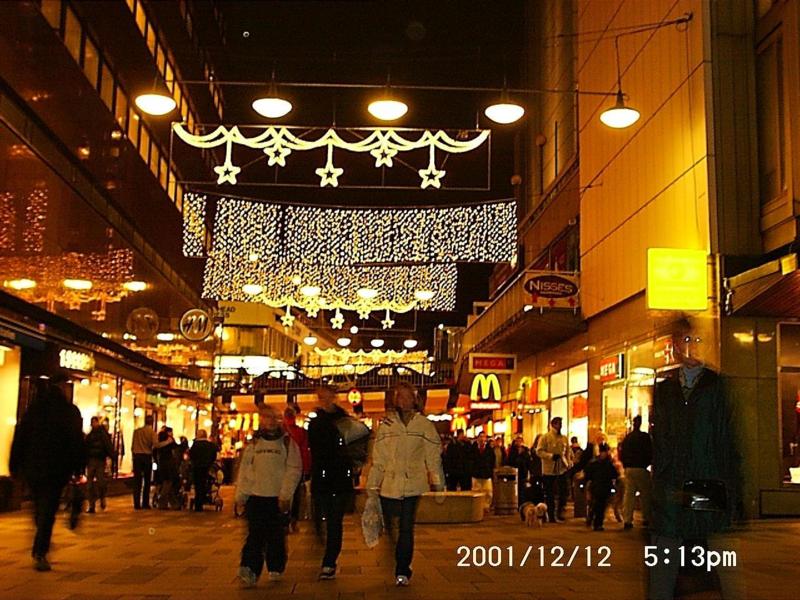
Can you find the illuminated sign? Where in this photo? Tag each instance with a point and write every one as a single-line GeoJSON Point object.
{"type": "Point", "coordinates": [552, 289]}
{"type": "Point", "coordinates": [354, 397]}
{"type": "Point", "coordinates": [485, 387]}
{"type": "Point", "coordinates": [612, 368]}
{"type": "Point", "coordinates": [74, 360]}
{"type": "Point", "coordinates": [504, 364]}
{"type": "Point", "coordinates": [677, 279]}
{"type": "Point", "coordinates": [196, 325]}
{"type": "Point", "coordinates": [485, 405]}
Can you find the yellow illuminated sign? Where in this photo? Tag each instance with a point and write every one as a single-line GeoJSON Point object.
{"type": "Point", "coordinates": [484, 387]}
{"type": "Point", "coordinates": [677, 279]}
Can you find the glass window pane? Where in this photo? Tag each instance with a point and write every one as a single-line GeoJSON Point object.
{"type": "Point", "coordinates": [51, 10]}
{"type": "Point", "coordinates": [151, 40]}
{"type": "Point", "coordinates": [161, 60]}
{"type": "Point", "coordinates": [141, 20]}
{"type": "Point", "coordinates": [91, 62]}
{"type": "Point", "coordinates": [162, 173]}
{"type": "Point", "coordinates": [771, 134]}
{"type": "Point", "coordinates": [72, 35]}
{"type": "Point", "coordinates": [107, 87]}
{"type": "Point", "coordinates": [544, 391]}
{"type": "Point", "coordinates": [154, 155]}
{"type": "Point", "coordinates": [144, 143]}
{"type": "Point", "coordinates": [133, 127]}
{"type": "Point", "coordinates": [579, 379]}
{"type": "Point", "coordinates": [169, 76]}
{"type": "Point", "coordinates": [121, 109]}
{"type": "Point", "coordinates": [558, 384]}
{"type": "Point", "coordinates": [558, 408]}
{"type": "Point", "coordinates": [578, 419]}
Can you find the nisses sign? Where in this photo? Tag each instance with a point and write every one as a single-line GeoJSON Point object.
{"type": "Point", "coordinates": [504, 364]}
{"type": "Point", "coordinates": [552, 289]}
{"type": "Point", "coordinates": [485, 387]}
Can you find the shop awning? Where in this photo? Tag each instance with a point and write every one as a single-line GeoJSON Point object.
{"type": "Point", "coordinates": [769, 290]}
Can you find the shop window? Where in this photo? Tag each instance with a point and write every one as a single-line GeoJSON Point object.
{"type": "Point", "coordinates": [789, 390]}
{"type": "Point", "coordinates": [614, 423]}
{"type": "Point", "coordinates": [579, 379]}
{"type": "Point", "coordinates": [51, 11]}
{"type": "Point", "coordinates": [558, 408]}
{"type": "Point", "coordinates": [579, 418]}
{"type": "Point", "coordinates": [771, 121]}
{"type": "Point", "coordinates": [91, 62]}
{"type": "Point", "coordinates": [72, 35]}
{"type": "Point", "coordinates": [9, 400]}
{"type": "Point", "coordinates": [558, 384]}
{"type": "Point", "coordinates": [107, 87]}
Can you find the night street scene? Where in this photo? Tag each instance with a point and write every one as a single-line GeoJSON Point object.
{"type": "Point", "coordinates": [384, 300]}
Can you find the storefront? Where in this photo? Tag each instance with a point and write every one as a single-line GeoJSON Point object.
{"type": "Point", "coordinates": [627, 378]}
{"type": "Point", "coordinates": [10, 364]}
{"type": "Point", "coordinates": [567, 396]}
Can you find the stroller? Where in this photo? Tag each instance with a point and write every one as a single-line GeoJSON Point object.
{"type": "Point", "coordinates": [215, 478]}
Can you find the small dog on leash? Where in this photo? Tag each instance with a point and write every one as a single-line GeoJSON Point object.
{"type": "Point", "coordinates": [531, 513]}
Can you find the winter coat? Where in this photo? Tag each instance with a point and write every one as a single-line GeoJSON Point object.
{"type": "Point", "coordinates": [203, 453]}
{"type": "Point", "coordinates": [48, 446]}
{"type": "Point", "coordinates": [406, 459]}
{"type": "Point", "coordinates": [483, 461]}
{"type": "Point", "coordinates": [300, 438]}
{"type": "Point", "coordinates": [270, 467]}
{"type": "Point", "coordinates": [520, 459]}
{"type": "Point", "coordinates": [98, 444]}
{"type": "Point", "coordinates": [601, 473]}
{"type": "Point", "coordinates": [331, 469]}
{"type": "Point", "coordinates": [550, 444]}
{"type": "Point", "coordinates": [636, 450]}
{"type": "Point", "coordinates": [458, 459]}
{"type": "Point", "coordinates": [692, 439]}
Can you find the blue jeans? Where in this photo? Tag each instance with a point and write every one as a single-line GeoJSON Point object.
{"type": "Point", "coordinates": [403, 510]}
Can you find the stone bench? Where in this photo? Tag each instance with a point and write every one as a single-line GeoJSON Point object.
{"type": "Point", "coordinates": [457, 507]}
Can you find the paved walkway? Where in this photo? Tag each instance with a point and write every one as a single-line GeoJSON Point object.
{"type": "Point", "coordinates": [125, 555]}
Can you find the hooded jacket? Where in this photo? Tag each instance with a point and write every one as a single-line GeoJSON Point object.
{"type": "Point", "coordinates": [331, 469]}
{"type": "Point", "coordinates": [270, 467]}
{"type": "Point", "coordinates": [406, 459]}
{"type": "Point", "coordinates": [549, 445]}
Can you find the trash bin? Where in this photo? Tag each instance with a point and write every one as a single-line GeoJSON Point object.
{"type": "Point", "coordinates": [505, 490]}
{"type": "Point", "coordinates": [579, 497]}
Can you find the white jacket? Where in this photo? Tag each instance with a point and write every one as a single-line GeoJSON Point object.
{"type": "Point", "coordinates": [269, 468]}
{"type": "Point", "coordinates": [406, 459]}
{"type": "Point", "coordinates": [552, 443]}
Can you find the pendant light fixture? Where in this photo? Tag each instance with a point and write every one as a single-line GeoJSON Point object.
{"type": "Point", "coordinates": [620, 115]}
{"type": "Point", "coordinates": [155, 104]}
{"type": "Point", "coordinates": [272, 105]}
{"type": "Point", "coordinates": [387, 107]}
{"type": "Point", "coordinates": [504, 111]}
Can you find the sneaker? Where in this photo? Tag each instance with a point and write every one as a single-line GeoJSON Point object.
{"type": "Point", "coordinates": [327, 573]}
{"type": "Point", "coordinates": [627, 526]}
{"type": "Point", "coordinates": [275, 576]}
{"type": "Point", "coordinates": [247, 579]}
{"type": "Point", "coordinates": [40, 563]}
{"type": "Point", "coordinates": [401, 581]}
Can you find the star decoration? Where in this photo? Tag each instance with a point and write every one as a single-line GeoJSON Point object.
{"type": "Point", "coordinates": [338, 320]}
{"type": "Point", "coordinates": [277, 155]}
{"type": "Point", "coordinates": [383, 156]}
{"type": "Point", "coordinates": [312, 311]}
{"type": "Point", "coordinates": [431, 177]}
{"type": "Point", "coordinates": [227, 173]}
{"type": "Point", "coordinates": [329, 175]}
{"type": "Point", "coordinates": [363, 312]}
{"type": "Point", "coordinates": [388, 322]}
{"type": "Point", "coordinates": [287, 320]}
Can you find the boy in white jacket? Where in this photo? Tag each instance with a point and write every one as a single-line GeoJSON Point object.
{"type": "Point", "coordinates": [269, 472]}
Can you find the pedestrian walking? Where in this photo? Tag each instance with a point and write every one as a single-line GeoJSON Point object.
{"type": "Point", "coordinates": [483, 458]}
{"type": "Point", "coordinates": [202, 455]}
{"type": "Point", "coordinates": [554, 450]}
{"type": "Point", "coordinates": [98, 449]}
{"type": "Point", "coordinates": [636, 453]}
{"type": "Point", "coordinates": [600, 476]}
{"type": "Point", "coordinates": [331, 476]}
{"type": "Point", "coordinates": [300, 437]}
{"type": "Point", "coordinates": [519, 457]}
{"type": "Point", "coordinates": [47, 450]}
{"type": "Point", "coordinates": [406, 463]}
{"type": "Point", "coordinates": [458, 463]}
{"type": "Point", "coordinates": [269, 472]}
{"type": "Point", "coordinates": [142, 447]}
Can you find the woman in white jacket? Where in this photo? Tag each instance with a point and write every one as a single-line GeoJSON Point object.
{"type": "Point", "coordinates": [269, 472]}
{"type": "Point", "coordinates": [406, 462]}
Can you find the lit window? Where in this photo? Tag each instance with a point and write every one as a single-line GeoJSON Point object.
{"type": "Point", "coordinates": [91, 62]}
{"type": "Point", "coordinates": [107, 87]}
{"type": "Point", "coordinates": [131, 5]}
{"type": "Point", "coordinates": [72, 35]}
{"type": "Point", "coordinates": [141, 20]}
{"type": "Point", "coordinates": [169, 75]}
{"type": "Point", "coordinates": [144, 143]}
{"type": "Point", "coordinates": [161, 59]}
{"type": "Point", "coordinates": [162, 173]}
{"type": "Point", "coordinates": [121, 109]}
{"type": "Point", "coordinates": [133, 127]}
{"type": "Point", "coordinates": [51, 10]}
{"type": "Point", "coordinates": [151, 40]}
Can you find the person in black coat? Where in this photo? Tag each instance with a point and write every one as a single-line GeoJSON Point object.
{"type": "Point", "coordinates": [98, 449]}
{"type": "Point", "coordinates": [202, 455]}
{"type": "Point", "coordinates": [331, 476]}
{"type": "Point", "coordinates": [47, 451]}
{"type": "Point", "coordinates": [458, 464]}
{"type": "Point", "coordinates": [600, 476]}
{"type": "Point", "coordinates": [519, 457]}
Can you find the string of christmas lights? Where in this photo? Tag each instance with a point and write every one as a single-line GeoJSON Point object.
{"type": "Point", "coordinates": [194, 224]}
{"type": "Point", "coordinates": [383, 145]}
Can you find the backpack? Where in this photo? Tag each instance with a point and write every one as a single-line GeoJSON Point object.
{"type": "Point", "coordinates": [355, 437]}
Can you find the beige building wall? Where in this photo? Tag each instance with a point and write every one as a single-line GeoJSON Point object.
{"type": "Point", "coordinates": [647, 185]}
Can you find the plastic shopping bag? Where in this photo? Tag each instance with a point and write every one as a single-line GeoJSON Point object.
{"type": "Point", "coordinates": [372, 520]}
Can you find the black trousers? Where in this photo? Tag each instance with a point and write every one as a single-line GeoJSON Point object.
{"type": "Point", "coordinates": [555, 484]}
{"type": "Point", "coordinates": [142, 473]}
{"type": "Point", "coordinates": [46, 497]}
{"type": "Point", "coordinates": [297, 499]}
{"type": "Point", "coordinates": [454, 481]}
{"type": "Point", "coordinates": [599, 505]}
{"type": "Point", "coordinates": [329, 507]}
{"type": "Point", "coordinates": [403, 512]}
{"type": "Point", "coordinates": [266, 536]}
{"type": "Point", "coordinates": [200, 478]}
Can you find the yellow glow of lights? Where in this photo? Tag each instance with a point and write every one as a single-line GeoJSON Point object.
{"type": "Point", "coordinates": [677, 279]}
{"type": "Point", "coordinates": [165, 336]}
{"type": "Point", "coordinates": [310, 291]}
{"type": "Point", "coordinates": [310, 340]}
{"type": "Point", "coordinates": [155, 104]}
{"type": "Point", "coordinates": [20, 284]}
{"type": "Point", "coordinates": [252, 289]}
{"type": "Point", "coordinates": [619, 116]}
{"type": "Point", "coordinates": [343, 341]}
{"type": "Point", "coordinates": [424, 295]}
{"type": "Point", "coordinates": [272, 108]}
{"type": "Point", "coordinates": [77, 284]}
{"type": "Point", "coordinates": [387, 109]}
{"type": "Point", "coordinates": [135, 286]}
{"type": "Point", "coordinates": [377, 343]}
{"type": "Point", "coordinates": [354, 329]}
{"type": "Point", "coordinates": [367, 293]}
{"type": "Point", "coordinates": [504, 112]}
{"type": "Point", "coordinates": [410, 344]}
